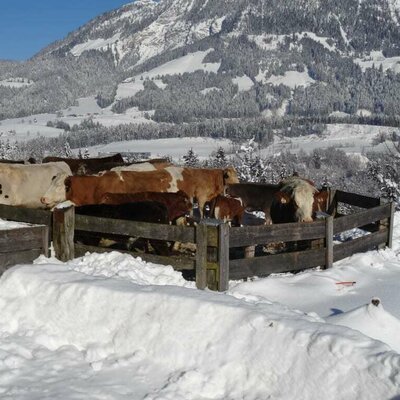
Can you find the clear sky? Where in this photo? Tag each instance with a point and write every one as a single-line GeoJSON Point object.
{"type": "Point", "coordinates": [27, 26]}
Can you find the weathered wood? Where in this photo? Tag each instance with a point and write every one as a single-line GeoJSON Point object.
{"type": "Point", "coordinates": [201, 255]}
{"type": "Point", "coordinates": [357, 200]}
{"type": "Point", "coordinates": [361, 218]}
{"type": "Point", "coordinates": [178, 263]}
{"type": "Point", "coordinates": [389, 242]}
{"type": "Point", "coordinates": [146, 230]}
{"type": "Point", "coordinates": [358, 245]}
{"type": "Point", "coordinates": [22, 214]}
{"type": "Point", "coordinates": [13, 240]}
{"type": "Point", "coordinates": [212, 253]}
{"type": "Point", "coordinates": [223, 257]}
{"type": "Point", "coordinates": [63, 233]}
{"type": "Point", "coordinates": [249, 251]}
{"type": "Point", "coordinates": [329, 242]}
{"type": "Point", "coordinates": [46, 240]}
{"type": "Point", "coordinates": [251, 235]}
{"type": "Point", "coordinates": [264, 266]}
{"type": "Point", "coordinates": [21, 257]}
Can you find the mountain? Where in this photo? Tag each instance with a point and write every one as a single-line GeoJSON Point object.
{"type": "Point", "coordinates": [196, 61]}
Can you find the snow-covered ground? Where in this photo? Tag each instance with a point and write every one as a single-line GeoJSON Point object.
{"type": "Point", "coordinates": [109, 326]}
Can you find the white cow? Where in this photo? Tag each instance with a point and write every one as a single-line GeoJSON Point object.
{"type": "Point", "coordinates": [25, 185]}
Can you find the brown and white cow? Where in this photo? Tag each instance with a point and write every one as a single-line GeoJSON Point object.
{"type": "Point", "coordinates": [178, 204]}
{"type": "Point", "coordinates": [297, 200]}
{"type": "Point", "coordinates": [25, 184]}
{"type": "Point", "coordinates": [81, 165]}
{"type": "Point", "coordinates": [227, 209]}
{"type": "Point", "coordinates": [202, 184]}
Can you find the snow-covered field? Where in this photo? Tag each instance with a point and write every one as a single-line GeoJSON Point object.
{"type": "Point", "coordinates": [109, 326]}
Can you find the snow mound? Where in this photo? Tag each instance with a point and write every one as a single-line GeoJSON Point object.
{"type": "Point", "coordinates": [372, 320]}
{"type": "Point", "coordinates": [212, 345]}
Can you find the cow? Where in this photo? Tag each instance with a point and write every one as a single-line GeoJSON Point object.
{"type": "Point", "coordinates": [202, 184]}
{"type": "Point", "coordinates": [144, 211]}
{"type": "Point", "coordinates": [25, 184]}
{"type": "Point", "coordinates": [255, 196]}
{"type": "Point", "coordinates": [227, 209]}
{"type": "Point", "coordinates": [178, 204]}
{"type": "Point", "coordinates": [81, 165]}
{"type": "Point", "coordinates": [297, 200]}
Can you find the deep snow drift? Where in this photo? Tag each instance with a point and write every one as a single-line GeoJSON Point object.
{"type": "Point", "coordinates": [109, 326]}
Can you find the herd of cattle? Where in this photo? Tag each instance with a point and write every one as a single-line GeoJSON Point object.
{"type": "Point", "coordinates": [155, 191]}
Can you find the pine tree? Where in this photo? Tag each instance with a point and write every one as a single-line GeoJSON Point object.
{"type": "Point", "coordinates": [219, 160]}
{"type": "Point", "coordinates": [191, 159]}
{"type": "Point", "coordinates": [67, 150]}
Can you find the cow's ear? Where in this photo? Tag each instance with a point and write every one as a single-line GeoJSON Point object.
{"type": "Point", "coordinates": [67, 182]}
{"type": "Point", "coordinates": [282, 197]}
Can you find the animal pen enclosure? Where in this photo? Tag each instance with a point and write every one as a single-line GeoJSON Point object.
{"type": "Point", "coordinates": [213, 264]}
{"type": "Point", "coordinates": [23, 243]}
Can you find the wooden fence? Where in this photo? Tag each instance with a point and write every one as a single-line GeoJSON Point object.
{"type": "Point", "coordinates": [218, 257]}
{"type": "Point", "coordinates": [23, 244]}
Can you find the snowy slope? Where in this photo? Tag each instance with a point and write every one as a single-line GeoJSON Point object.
{"type": "Point", "coordinates": [109, 326]}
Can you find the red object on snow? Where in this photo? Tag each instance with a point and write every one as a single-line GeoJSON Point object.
{"type": "Point", "coordinates": [346, 283]}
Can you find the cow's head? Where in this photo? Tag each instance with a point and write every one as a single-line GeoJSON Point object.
{"type": "Point", "coordinates": [230, 175]}
{"type": "Point", "coordinates": [294, 202]}
{"type": "Point", "coordinates": [56, 192]}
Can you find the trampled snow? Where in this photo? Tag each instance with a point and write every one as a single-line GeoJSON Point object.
{"type": "Point", "coordinates": [111, 326]}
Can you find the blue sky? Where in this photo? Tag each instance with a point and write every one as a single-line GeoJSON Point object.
{"type": "Point", "coordinates": [26, 26]}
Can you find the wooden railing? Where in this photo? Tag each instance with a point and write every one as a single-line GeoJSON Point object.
{"type": "Point", "coordinates": [215, 261]}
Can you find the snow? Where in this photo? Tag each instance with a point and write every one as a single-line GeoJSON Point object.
{"type": "Point", "coordinates": [15, 82]}
{"type": "Point", "coordinates": [291, 79]}
{"type": "Point", "coordinates": [349, 138]}
{"type": "Point", "coordinates": [111, 326]}
{"type": "Point", "coordinates": [244, 83]}
{"type": "Point", "coordinates": [376, 58]}
{"type": "Point", "coordinates": [94, 44]}
{"type": "Point", "coordinates": [188, 63]}
{"type": "Point", "coordinates": [175, 148]}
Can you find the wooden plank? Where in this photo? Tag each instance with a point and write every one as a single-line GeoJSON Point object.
{"type": "Point", "coordinates": [12, 240]}
{"type": "Point", "coordinates": [264, 266]}
{"type": "Point", "coordinates": [22, 214]}
{"type": "Point", "coordinates": [361, 244]}
{"type": "Point", "coordinates": [135, 229]}
{"type": "Point", "coordinates": [63, 233]}
{"type": "Point", "coordinates": [391, 223]}
{"type": "Point", "coordinates": [201, 255]}
{"type": "Point", "coordinates": [21, 257]}
{"type": "Point", "coordinates": [355, 199]}
{"type": "Point", "coordinates": [329, 242]}
{"type": "Point", "coordinates": [361, 218]}
{"type": "Point", "coordinates": [178, 263]}
{"type": "Point", "coordinates": [251, 235]}
{"type": "Point", "coordinates": [223, 257]}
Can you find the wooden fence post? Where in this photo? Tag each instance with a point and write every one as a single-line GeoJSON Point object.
{"type": "Point", "coordinates": [389, 242]}
{"type": "Point", "coordinates": [45, 239]}
{"type": "Point", "coordinates": [223, 257]}
{"type": "Point", "coordinates": [63, 232]}
{"type": "Point", "coordinates": [201, 255]}
{"type": "Point", "coordinates": [329, 242]}
{"type": "Point", "coordinates": [212, 255]}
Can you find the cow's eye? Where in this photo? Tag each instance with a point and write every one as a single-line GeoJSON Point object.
{"type": "Point", "coordinates": [54, 177]}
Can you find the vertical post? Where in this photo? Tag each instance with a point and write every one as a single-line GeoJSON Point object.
{"type": "Point", "coordinates": [201, 255]}
{"type": "Point", "coordinates": [389, 242]}
{"type": "Point", "coordinates": [384, 224]}
{"type": "Point", "coordinates": [223, 257]}
{"type": "Point", "coordinates": [45, 240]}
{"type": "Point", "coordinates": [63, 232]}
{"type": "Point", "coordinates": [329, 242]}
